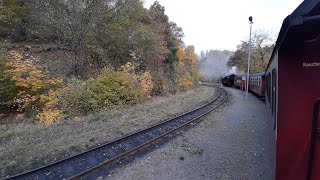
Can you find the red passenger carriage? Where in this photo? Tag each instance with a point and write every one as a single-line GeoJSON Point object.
{"type": "Point", "coordinates": [257, 83]}
{"type": "Point", "coordinates": [240, 82]}
{"type": "Point", "coordinates": [293, 92]}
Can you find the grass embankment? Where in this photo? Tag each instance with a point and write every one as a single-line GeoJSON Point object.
{"type": "Point", "coordinates": [27, 145]}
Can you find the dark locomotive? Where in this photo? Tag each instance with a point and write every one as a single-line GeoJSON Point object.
{"type": "Point", "coordinates": [228, 80]}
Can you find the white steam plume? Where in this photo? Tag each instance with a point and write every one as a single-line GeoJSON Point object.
{"type": "Point", "coordinates": [233, 70]}
{"type": "Point", "coordinates": [214, 64]}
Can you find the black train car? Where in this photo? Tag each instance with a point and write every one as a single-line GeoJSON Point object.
{"type": "Point", "coordinates": [228, 80]}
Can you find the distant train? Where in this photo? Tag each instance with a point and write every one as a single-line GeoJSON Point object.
{"type": "Point", "coordinates": [257, 82]}
{"type": "Point", "coordinates": [291, 86]}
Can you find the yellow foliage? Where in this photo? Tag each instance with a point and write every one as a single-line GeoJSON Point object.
{"type": "Point", "coordinates": [24, 100]}
{"type": "Point", "coordinates": [127, 68]}
{"type": "Point", "coordinates": [50, 99]}
{"type": "Point", "coordinates": [190, 55]}
{"type": "Point", "coordinates": [187, 67]}
{"type": "Point", "coordinates": [25, 75]}
{"type": "Point", "coordinates": [180, 55]}
{"type": "Point", "coordinates": [146, 84]}
{"type": "Point", "coordinates": [36, 88]}
{"type": "Point", "coordinates": [49, 113]}
{"type": "Point", "coordinates": [145, 80]}
{"type": "Point", "coordinates": [49, 116]}
{"type": "Point", "coordinates": [186, 82]}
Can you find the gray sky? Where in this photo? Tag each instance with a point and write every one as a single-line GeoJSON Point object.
{"type": "Point", "coordinates": [222, 24]}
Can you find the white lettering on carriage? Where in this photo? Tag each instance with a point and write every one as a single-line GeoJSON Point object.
{"type": "Point", "coordinates": [314, 64]}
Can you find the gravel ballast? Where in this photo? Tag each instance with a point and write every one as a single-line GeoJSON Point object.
{"type": "Point", "coordinates": [234, 142]}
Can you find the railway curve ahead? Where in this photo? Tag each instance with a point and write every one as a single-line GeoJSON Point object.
{"type": "Point", "coordinates": [91, 164]}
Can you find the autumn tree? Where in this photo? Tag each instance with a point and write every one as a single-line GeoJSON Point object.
{"type": "Point", "coordinates": [69, 22]}
{"type": "Point", "coordinates": [130, 38]}
{"type": "Point", "coordinates": [187, 67]}
{"type": "Point", "coordinates": [240, 57]}
{"type": "Point", "coordinates": [261, 49]}
{"type": "Point", "coordinates": [178, 33]}
{"type": "Point", "coordinates": [159, 22]}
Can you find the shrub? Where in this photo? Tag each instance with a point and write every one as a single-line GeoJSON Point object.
{"type": "Point", "coordinates": [146, 84]}
{"type": "Point", "coordinates": [50, 113]}
{"type": "Point", "coordinates": [170, 86]}
{"type": "Point", "coordinates": [113, 88]}
{"type": "Point", "coordinates": [8, 88]}
{"type": "Point", "coordinates": [75, 98]}
{"type": "Point", "coordinates": [31, 82]}
{"type": "Point", "coordinates": [28, 88]}
{"type": "Point", "coordinates": [186, 82]}
{"type": "Point", "coordinates": [158, 84]}
{"type": "Point", "coordinates": [109, 90]}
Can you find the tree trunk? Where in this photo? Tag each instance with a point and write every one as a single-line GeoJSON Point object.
{"type": "Point", "coordinates": [78, 59]}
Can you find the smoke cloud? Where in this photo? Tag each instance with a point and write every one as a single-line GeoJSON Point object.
{"type": "Point", "coordinates": [233, 70]}
{"type": "Point", "coordinates": [214, 66]}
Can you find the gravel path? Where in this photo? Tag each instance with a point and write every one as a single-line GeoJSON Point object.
{"type": "Point", "coordinates": [235, 142]}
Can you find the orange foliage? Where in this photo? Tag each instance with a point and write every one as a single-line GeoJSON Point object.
{"type": "Point", "coordinates": [187, 67]}
{"type": "Point", "coordinates": [180, 55]}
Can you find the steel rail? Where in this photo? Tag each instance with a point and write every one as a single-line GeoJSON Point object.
{"type": "Point", "coordinates": [28, 175]}
{"type": "Point", "coordinates": [126, 154]}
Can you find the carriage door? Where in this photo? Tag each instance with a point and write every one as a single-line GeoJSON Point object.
{"type": "Point", "coordinates": [314, 152]}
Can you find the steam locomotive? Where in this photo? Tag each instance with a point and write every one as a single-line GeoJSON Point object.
{"type": "Point", "coordinates": [228, 80]}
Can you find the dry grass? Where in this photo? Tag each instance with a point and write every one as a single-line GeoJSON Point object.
{"type": "Point", "coordinates": [26, 145]}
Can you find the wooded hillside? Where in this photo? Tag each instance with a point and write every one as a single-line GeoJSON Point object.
{"type": "Point", "coordinates": [89, 55]}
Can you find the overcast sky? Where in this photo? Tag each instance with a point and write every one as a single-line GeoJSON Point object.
{"type": "Point", "coordinates": [222, 24]}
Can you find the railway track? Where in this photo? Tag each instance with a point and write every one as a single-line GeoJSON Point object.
{"type": "Point", "coordinates": [92, 163]}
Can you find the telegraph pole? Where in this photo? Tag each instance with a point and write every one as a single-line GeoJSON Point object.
{"type": "Point", "coordinates": [249, 52]}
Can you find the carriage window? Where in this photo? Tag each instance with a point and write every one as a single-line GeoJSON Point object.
{"type": "Point", "coordinates": [260, 81]}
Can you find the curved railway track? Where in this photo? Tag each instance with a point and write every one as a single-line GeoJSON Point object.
{"type": "Point", "coordinates": [89, 164]}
